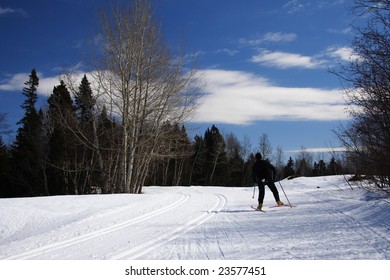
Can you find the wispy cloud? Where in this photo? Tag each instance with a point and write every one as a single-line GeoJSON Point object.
{"type": "Point", "coordinates": [279, 37]}
{"type": "Point", "coordinates": [293, 6]}
{"type": "Point", "coordinates": [237, 97]}
{"type": "Point", "coordinates": [5, 11]}
{"type": "Point", "coordinates": [227, 51]}
{"type": "Point", "coordinates": [286, 60]}
{"type": "Point", "coordinates": [296, 6]}
{"type": "Point", "coordinates": [270, 37]}
{"type": "Point", "coordinates": [342, 31]}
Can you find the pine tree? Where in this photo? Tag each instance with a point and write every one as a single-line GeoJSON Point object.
{"type": "Point", "coordinates": [108, 133]}
{"type": "Point", "coordinates": [216, 160]}
{"type": "Point", "coordinates": [334, 168]}
{"type": "Point", "coordinates": [289, 169]}
{"type": "Point", "coordinates": [236, 163]}
{"type": "Point", "coordinates": [28, 150]}
{"type": "Point", "coordinates": [5, 191]}
{"type": "Point", "coordinates": [61, 145]}
{"type": "Point", "coordinates": [198, 162]}
{"type": "Point", "coordinates": [319, 168]}
{"type": "Point", "coordinates": [86, 129]}
{"type": "Point", "coordinates": [84, 100]}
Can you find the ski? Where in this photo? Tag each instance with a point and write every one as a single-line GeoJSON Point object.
{"type": "Point", "coordinates": [255, 208]}
{"type": "Point", "coordinates": [284, 205]}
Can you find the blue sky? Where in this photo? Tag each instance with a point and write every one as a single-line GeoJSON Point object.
{"type": "Point", "coordinates": [266, 63]}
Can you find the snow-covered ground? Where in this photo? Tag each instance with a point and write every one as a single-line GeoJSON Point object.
{"type": "Point", "coordinates": [331, 222]}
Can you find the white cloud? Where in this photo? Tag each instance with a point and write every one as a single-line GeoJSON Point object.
{"type": "Point", "coordinates": [285, 60]}
{"type": "Point", "coordinates": [16, 83]}
{"type": "Point", "coordinates": [320, 150]}
{"type": "Point", "coordinates": [343, 53]}
{"type": "Point", "coordinates": [237, 97]}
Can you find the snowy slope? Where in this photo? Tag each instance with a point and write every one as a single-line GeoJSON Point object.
{"type": "Point", "coordinates": [331, 222]}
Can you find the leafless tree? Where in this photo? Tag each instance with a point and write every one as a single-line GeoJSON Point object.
{"type": "Point", "coordinates": [367, 79]}
{"type": "Point", "coordinates": [265, 147]}
{"type": "Point", "coordinates": [145, 82]}
{"type": "Point", "coordinates": [279, 161]}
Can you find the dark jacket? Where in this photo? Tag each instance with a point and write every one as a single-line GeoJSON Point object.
{"type": "Point", "coordinates": [263, 170]}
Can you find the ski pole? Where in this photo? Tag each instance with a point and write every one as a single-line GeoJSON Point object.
{"type": "Point", "coordinates": [254, 190]}
{"type": "Point", "coordinates": [289, 203]}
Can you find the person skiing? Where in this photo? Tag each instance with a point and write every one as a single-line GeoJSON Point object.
{"type": "Point", "coordinates": [264, 174]}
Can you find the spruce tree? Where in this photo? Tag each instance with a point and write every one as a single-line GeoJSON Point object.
{"type": "Point", "coordinates": [84, 100]}
{"type": "Point", "coordinates": [27, 150]}
{"type": "Point", "coordinates": [289, 169]}
{"type": "Point", "coordinates": [198, 162]}
{"type": "Point", "coordinates": [4, 170]}
{"type": "Point", "coordinates": [216, 159]}
{"type": "Point", "coordinates": [61, 147]}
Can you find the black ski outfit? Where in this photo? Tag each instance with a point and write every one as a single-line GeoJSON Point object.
{"type": "Point", "coordinates": [264, 174]}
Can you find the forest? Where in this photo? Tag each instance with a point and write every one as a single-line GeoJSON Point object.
{"type": "Point", "coordinates": [121, 126]}
{"type": "Point", "coordinates": [72, 147]}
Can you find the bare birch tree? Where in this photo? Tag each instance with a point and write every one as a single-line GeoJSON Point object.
{"type": "Point", "coordinates": [265, 147]}
{"type": "Point", "coordinates": [146, 83]}
{"type": "Point", "coordinates": [367, 79]}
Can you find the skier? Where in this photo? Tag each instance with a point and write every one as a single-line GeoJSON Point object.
{"type": "Point", "coordinates": [264, 174]}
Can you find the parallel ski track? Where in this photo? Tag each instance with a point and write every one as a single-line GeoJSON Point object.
{"type": "Point", "coordinates": [371, 232]}
{"type": "Point", "coordinates": [145, 248]}
{"type": "Point", "coordinates": [69, 242]}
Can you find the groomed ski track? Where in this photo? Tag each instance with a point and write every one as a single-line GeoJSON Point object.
{"type": "Point", "coordinates": [331, 222]}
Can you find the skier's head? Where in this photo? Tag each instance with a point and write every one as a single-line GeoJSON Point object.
{"type": "Point", "coordinates": [258, 156]}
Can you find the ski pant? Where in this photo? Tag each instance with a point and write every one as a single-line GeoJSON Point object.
{"type": "Point", "coordinates": [271, 186]}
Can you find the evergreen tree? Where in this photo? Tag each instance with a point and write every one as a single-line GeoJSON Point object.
{"type": "Point", "coordinates": [108, 134]}
{"type": "Point", "coordinates": [60, 101]}
{"type": "Point", "coordinates": [289, 168]}
{"type": "Point", "coordinates": [235, 161]}
{"type": "Point", "coordinates": [88, 141]}
{"type": "Point", "coordinates": [334, 168]}
{"type": "Point", "coordinates": [5, 191]}
{"type": "Point", "coordinates": [61, 145]}
{"type": "Point", "coordinates": [216, 160]}
{"type": "Point", "coordinates": [198, 162]}
{"type": "Point", "coordinates": [319, 168]}
{"type": "Point", "coordinates": [84, 100]}
{"type": "Point", "coordinates": [27, 150]}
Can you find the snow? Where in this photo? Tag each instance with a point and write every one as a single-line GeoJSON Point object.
{"type": "Point", "coordinates": [331, 222]}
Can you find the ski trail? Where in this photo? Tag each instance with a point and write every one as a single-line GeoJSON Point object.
{"type": "Point", "coordinates": [145, 248]}
{"type": "Point", "coordinates": [369, 233]}
{"type": "Point", "coordinates": [69, 242]}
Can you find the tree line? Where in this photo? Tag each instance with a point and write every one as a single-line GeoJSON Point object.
{"type": "Point", "coordinates": [125, 129]}
{"type": "Point", "coordinates": [73, 146]}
